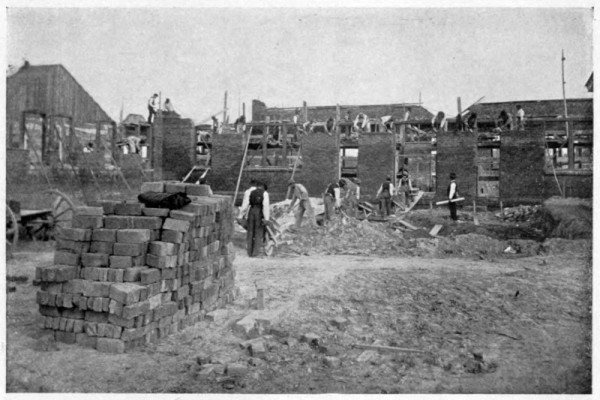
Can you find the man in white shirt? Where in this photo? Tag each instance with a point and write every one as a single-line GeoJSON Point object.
{"type": "Point", "coordinates": [452, 194]}
{"type": "Point", "coordinates": [520, 118]}
{"type": "Point", "coordinates": [243, 213]}
{"type": "Point", "coordinates": [152, 107]}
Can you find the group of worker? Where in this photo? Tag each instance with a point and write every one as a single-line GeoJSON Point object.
{"type": "Point", "coordinates": [255, 209]}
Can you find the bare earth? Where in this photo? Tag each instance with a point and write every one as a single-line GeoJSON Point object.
{"type": "Point", "coordinates": [520, 325]}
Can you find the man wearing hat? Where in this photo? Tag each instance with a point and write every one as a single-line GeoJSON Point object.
{"type": "Point", "coordinates": [331, 199]}
{"type": "Point", "coordinates": [405, 188]}
{"type": "Point", "coordinates": [452, 194]}
{"type": "Point", "coordinates": [350, 198]}
{"type": "Point", "coordinates": [300, 194]}
{"type": "Point", "coordinates": [384, 194]}
{"type": "Point", "coordinates": [258, 212]}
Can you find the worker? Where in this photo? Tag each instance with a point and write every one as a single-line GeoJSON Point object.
{"type": "Point", "coordinates": [296, 116]}
{"type": "Point", "coordinates": [240, 124]}
{"type": "Point", "coordinates": [471, 123]}
{"type": "Point", "coordinates": [258, 213]}
{"type": "Point", "coordinates": [243, 213]}
{"type": "Point", "coordinates": [504, 122]}
{"type": "Point", "coordinates": [387, 123]}
{"type": "Point", "coordinates": [152, 108]}
{"type": "Point", "coordinates": [215, 125]}
{"type": "Point", "coordinates": [520, 118]}
{"type": "Point", "coordinates": [452, 194]}
{"type": "Point", "coordinates": [133, 143]}
{"type": "Point", "coordinates": [439, 122]}
{"type": "Point", "coordinates": [330, 125]}
{"type": "Point", "coordinates": [361, 123]}
{"type": "Point", "coordinates": [300, 194]}
{"type": "Point", "coordinates": [331, 200]}
{"type": "Point", "coordinates": [169, 106]}
{"type": "Point", "coordinates": [357, 182]}
{"type": "Point", "coordinates": [350, 197]}
{"type": "Point", "coordinates": [405, 188]}
{"type": "Point", "coordinates": [384, 194]}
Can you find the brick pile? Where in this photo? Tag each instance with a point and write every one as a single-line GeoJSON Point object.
{"type": "Point", "coordinates": [125, 275]}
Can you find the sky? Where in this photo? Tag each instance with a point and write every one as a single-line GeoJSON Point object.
{"type": "Point", "coordinates": [324, 56]}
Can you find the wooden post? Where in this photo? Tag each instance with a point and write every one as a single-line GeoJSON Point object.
{"type": "Point", "coordinates": [459, 109]}
{"type": "Point", "coordinates": [265, 139]}
{"type": "Point", "coordinates": [283, 135]}
{"type": "Point", "coordinates": [237, 186]}
{"type": "Point", "coordinates": [225, 110]}
{"type": "Point", "coordinates": [571, 152]}
{"type": "Point", "coordinates": [244, 109]}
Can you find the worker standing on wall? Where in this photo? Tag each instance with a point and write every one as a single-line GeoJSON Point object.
{"type": "Point", "coordinates": [331, 200]}
{"type": "Point", "coordinates": [300, 194]}
{"type": "Point", "coordinates": [439, 122]}
{"type": "Point", "coordinates": [258, 212]}
{"type": "Point", "coordinates": [452, 194]}
{"type": "Point", "coordinates": [152, 108]}
{"type": "Point", "coordinates": [384, 194]}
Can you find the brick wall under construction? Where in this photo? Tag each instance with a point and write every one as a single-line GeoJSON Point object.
{"type": "Point", "coordinates": [456, 152]}
{"type": "Point", "coordinates": [376, 159]}
{"type": "Point", "coordinates": [124, 274]}
{"type": "Point", "coordinates": [173, 147]}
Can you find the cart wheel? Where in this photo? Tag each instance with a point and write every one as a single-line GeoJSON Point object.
{"type": "Point", "coordinates": [12, 231]}
{"type": "Point", "coordinates": [269, 248]}
{"type": "Point", "coordinates": [62, 211]}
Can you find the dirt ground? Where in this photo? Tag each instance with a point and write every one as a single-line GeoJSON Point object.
{"type": "Point", "coordinates": [476, 323]}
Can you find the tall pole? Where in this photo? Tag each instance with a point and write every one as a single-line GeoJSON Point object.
{"type": "Point", "coordinates": [570, 150]}
{"type": "Point", "coordinates": [224, 108]}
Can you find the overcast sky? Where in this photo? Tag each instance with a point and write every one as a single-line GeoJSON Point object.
{"type": "Point", "coordinates": [325, 56]}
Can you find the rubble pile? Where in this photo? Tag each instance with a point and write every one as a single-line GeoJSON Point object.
{"type": "Point", "coordinates": [520, 213]}
{"type": "Point", "coordinates": [125, 274]}
{"type": "Point", "coordinates": [346, 236]}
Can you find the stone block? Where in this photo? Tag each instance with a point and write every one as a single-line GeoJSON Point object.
{"type": "Point", "coordinates": [94, 260]}
{"type": "Point", "coordinates": [129, 249]}
{"type": "Point", "coordinates": [182, 215]}
{"type": "Point", "coordinates": [174, 187]}
{"type": "Point", "coordinates": [84, 210]}
{"type": "Point", "coordinates": [120, 262]}
{"type": "Point", "coordinates": [101, 247]}
{"type": "Point", "coordinates": [84, 340]}
{"type": "Point", "coordinates": [128, 208]}
{"type": "Point", "coordinates": [136, 309]}
{"type": "Point", "coordinates": [133, 235]}
{"type": "Point", "coordinates": [95, 316]}
{"type": "Point", "coordinates": [125, 293]}
{"type": "Point", "coordinates": [57, 273]}
{"type": "Point", "coordinates": [108, 206]}
{"type": "Point", "coordinates": [177, 225]}
{"type": "Point", "coordinates": [132, 274]}
{"type": "Point", "coordinates": [147, 222]}
{"type": "Point", "coordinates": [155, 212]}
{"type": "Point", "coordinates": [96, 289]}
{"type": "Point", "coordinates": [152, 187]}
{"type": "Point", "coordinates": [162, 248]}
{"type": "Point", "coordinates": [121, 322]}
{"type": "Point", "coordinates": [161, 261]}
{"type": "Point", "coordinates": [104, 235]}
{"type": "Point", "coordinates": [73, 313]}
{"type": "Point", "coordinates": [118, 222]}
{"type": "Point", "coordinates": [75, 234]}
{"type": "Point", "coordinates": [171, 236]}
{"type": "Point", "coordinates": [72, 246]}
{"type": "Point", "coordinates": [115, 275]}
{"type": "Point", "coordinates": [149, 275]}
{"type": "Point", "coordinates": [198, 190]}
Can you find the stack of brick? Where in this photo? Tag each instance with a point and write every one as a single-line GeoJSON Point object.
{"type": "Point", "coordinates": [124, 274]}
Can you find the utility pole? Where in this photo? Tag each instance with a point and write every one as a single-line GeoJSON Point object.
{"type": "Point", "coordinates": [570, 149]}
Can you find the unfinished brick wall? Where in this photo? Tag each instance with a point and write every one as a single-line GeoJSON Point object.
{"type": "Point", "coordinates": [456, 152]}
{"type": "Point", "coordinates": [321, 162]}
{"type": "Point", "coordinates": [124, 275]}
{"type": "Point", "coordinates": [226, 159]}
{"type": "Point", "coordinates": [173, 147]}
{"type": "Point", "coordinates": [376, 159]}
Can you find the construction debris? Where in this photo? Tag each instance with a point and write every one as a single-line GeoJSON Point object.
{"type": "Point", "coordinates": [519, 214]}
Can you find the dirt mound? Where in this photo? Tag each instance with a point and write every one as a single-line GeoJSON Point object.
{"type": "Point", "coordinates": [563, 246]}
{"type": "Point", "coordinates": [569, 218]}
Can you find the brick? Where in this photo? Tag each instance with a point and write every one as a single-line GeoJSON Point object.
{"type": "Point", "coordinates": [128, 208]}
{"type": "Point", "coordinates": [64, 337]}
{"type": "Point", "coordinates": [66, 258]}
{"type": "Point", "coordinates": [132, 274]}
{"type": "Point", "coordinates": [182, 215]}
{"type": "Point", "coordinates": [126, 293]}
{"type": "Point", "coordinates": [152, 187]}
{"type": "Point", "coordinates": [174, 187]}
{"type": "Point", "coordinates": [147, 222]}
{"type": "Point", "coordinates": [108, 206]}
{"type": "Point", "coordinates": [121, 322]}
{"type": "Point", "coordinates": [132, 334]}
{"type": "Point", "coordinates": [104, 235]}
{"type": "Point", "coordinates": [97, 304]}
{"type": "Point", "coordinates": [161, 261]}
{"type": "Point", "coordinates": [73, 313]}
{"type": "Point", "coordinates": [108, 345]}
{"type": "Point", "coordinates": [136, 309]}
{"type": "Point", "coordinates": [57, 273]}
{"type": "Point", "coordinates": [75, 234]}
{"type": "Point", "coordinates": [115, 275]}
{"type": "Point", "coordinates": [49, 311]}
{"type": "Point", "coordinates": [84, 340]}
{"type": "Point", "coordinates": [94, 211]}
{"type": "Point", "coordinates": [101, 247]}
{"type": "Point", "coordinates": [168, 273]}
{"type": "Point", "coordinates": [87, 221]}
{"type": "Point", "coordinates": [133, 235]}
{"type": "Point", "coordinates": [171, 236]}
{"type": "Point", "coordinates": [114, 307]}
{"type": "Point", "coordinates": [176, 225]}
{"type": "Point", "coordinates": [118, 222]}
{"type": "Point", "coordinates": [120, 261]}
{"type": "Point", "coordinates": [94, 260]}
{"type": "Point", "coordinates": [51, 287]}
{"type": "Point", "coordinates": [155, 212]}
{"type": "Point", "coordinates": [198, 190]}
{"type": "Point", "coordinates": [129, 249]}
{"type": "Point", "coordinates": [94, 316]}
{"type": "Point", "coordinates": [162, 248]}
{"type": "Point", "coordinates": [149, 275]}
{"type": "Point", "coordinates": [72, 245]}
{"type": "Point", "coordinates": [96, 289]}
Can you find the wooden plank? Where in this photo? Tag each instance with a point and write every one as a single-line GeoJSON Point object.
{"type": "Point", "coordinates": [419, 195]}
{"type": "Point", "coordinates": [448, 201]}
{"type": "Point", "coordinates": [435, 230]}
{"type": "Point", "coordinates": [407, 224]}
